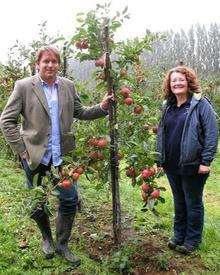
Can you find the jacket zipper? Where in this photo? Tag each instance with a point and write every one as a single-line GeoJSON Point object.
{"type": "Point", "coordinates": [163, 136]}
{"type": "Point", "coordinates": [184, 130]}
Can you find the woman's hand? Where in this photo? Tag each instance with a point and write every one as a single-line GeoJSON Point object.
{"type": "Point", "coordinates": [24, 155]}
{"type": "Point", "coordinates": [203, 169]}
{"type": "Point", "coordinates": [160, 170]}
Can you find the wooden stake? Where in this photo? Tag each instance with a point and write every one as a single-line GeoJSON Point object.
{"type": "Point", "coordinates": [116, 205]}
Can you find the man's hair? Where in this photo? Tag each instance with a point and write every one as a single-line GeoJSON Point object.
{"type": "Point", "coordinates": [48, 49]}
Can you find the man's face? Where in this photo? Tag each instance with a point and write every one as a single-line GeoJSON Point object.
{"type": "Point", "coordinates": [48, 66]}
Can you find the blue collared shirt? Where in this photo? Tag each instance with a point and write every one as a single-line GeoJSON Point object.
{"type": "Point", "coordinates": [53, 147]}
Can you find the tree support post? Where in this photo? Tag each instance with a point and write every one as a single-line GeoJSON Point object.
{"type": "Point", "coordinates": [114, 169]}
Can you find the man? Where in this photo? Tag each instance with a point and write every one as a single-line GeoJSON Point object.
{"type": "Point", "coordinates": [48, 104]}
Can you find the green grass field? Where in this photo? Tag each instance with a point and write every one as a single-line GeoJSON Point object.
{"type": "Point", "coordinates": [145, 235]}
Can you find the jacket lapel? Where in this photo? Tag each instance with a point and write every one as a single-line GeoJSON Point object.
{"type": "Point", "coordinates": [62, 89]}
{"type": "Point", "coordinates": [38, 90]}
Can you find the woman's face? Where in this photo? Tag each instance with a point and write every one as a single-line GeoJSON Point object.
{"type": "Point", "coordinates": [178, 84]}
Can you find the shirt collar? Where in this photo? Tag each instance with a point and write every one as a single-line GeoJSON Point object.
{"type": "Point", "coordinates": [45, 83]}
{"type": "Point", "coordinates": [186, 103]}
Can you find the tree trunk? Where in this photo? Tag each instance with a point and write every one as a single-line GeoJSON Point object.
{"type": "Point", "coordinates": [64, 71]}
{"type": "Point", "coordinates": [113, 146]}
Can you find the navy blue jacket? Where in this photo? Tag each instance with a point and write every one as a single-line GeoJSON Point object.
{"type": "Point", "coordinates": [199, 138]}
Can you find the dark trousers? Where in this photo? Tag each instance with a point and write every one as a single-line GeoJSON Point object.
{"type": "Point", "coordinates": [68, 198]}
{"type": "Point", "coordinates": [189, 208]}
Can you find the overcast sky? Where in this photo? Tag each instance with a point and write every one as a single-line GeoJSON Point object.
{"type": "Point", "coordinates": [20, 19]}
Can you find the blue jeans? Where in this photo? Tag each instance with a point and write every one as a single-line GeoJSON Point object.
{"type": "Point", "coordinates": [189, 208]}
{"type": "Point", "coordinates": [68, 198]}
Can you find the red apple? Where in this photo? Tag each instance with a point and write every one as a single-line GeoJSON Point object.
{"type": "Point", "coordinates": [125, 92]}
{"type": "Point", "coordinates": [102, 143]}
{"type": "Point", "coordinates": [100, 155]}
{"type": "Point", "coordinates": [138, 109]}
{"type": "Point", "coordinates": [75, 176]}
{"type": "Point", "coordinates": [100, 62]}
{"type": "Point", "coordinates": [80, 170]}
{"type": "Point", "coordinates": [130, 172]}
{"type": "Point", "coordinates": [145, 187]}
{"type": "Point", "coordinates": [78, 44]}
{"type": "Point", "coordinates": [84, 44]}
{"type": "Point", "coordinates": [66, 184]}
{"type": "Point", "coordinates": [152, 171]}
{"type": "Point", "coordinates": [128, 101]}
{"type": "Point", "coordinates": [120, 155]}
{"type": "Point", "coordinates": [155, 194]}
{"type": "Point", "coordinates": [93, 142]}
{"type": "Point", "coordinates": [144, 196]}
{"type": "Point", "coordinates": [93, 155]}
{"type": "Point", "coordinates": [146, 173]}
{"type": "Point", "coordinates": [155, 129]}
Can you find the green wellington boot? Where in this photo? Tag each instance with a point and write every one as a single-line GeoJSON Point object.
{"type": "Point", "coordinates": [64, 225]}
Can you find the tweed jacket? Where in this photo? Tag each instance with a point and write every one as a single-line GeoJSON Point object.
{"type": "Point", "coordinates": [29, 101]}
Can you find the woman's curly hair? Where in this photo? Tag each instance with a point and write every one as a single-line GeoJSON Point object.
{"type": "Point", "coordinates": [191, 78]}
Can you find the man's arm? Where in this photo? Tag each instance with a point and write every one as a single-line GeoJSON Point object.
{"type": "Point", "coordinates": [87, 113]}
{"type": "Point", "coordinates": [9, 120]}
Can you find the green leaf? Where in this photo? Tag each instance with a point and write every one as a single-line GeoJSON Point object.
{"type": "Point", "coordinates": [80, 13]}
{"type": "Point", "coordinates": [162, 200]}
{"type": "Point", "coordinates": [115, 25]}
{"type": "Point", "coordinates": [55, 193]}
{"type": "Point", "coordinates": [125, 10]}
{"type": "Point", "coordinates": [162, 188]}
{"type": "Point", "coordinates": [80, 20]}
{"type": "Point", "coordinates": [146, 146]}
{"type": "Point", "coordinates": [35, 178]}
{"type": "Point", "coordinates": [83, 57]}
{"type": "Point", "coordinates": [133, 143]}
{"type": "Point", "coordinates": [155, 212]}
{"type": "Point", "coordinates": [39, 189]}
{"type": "Point", "coordinates": [47, 210]}
{"type": "Point", "coordinates": [99, 186]}
{"type": "Point", "coordinates": [57, 40]}
{"type": "Point", "coordinates": [151, 203]}
{"type": "Point", "coordinates": [84, 96]}
{"type": "Point", "coordinates": [91, 170]}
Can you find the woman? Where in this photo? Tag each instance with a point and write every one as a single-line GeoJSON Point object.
{"type": "Point", "coordinates": [187, 143]}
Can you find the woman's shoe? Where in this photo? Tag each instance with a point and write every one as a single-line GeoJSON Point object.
{"type": "Point", "coordinates": [173, 244]}
{"type": "Point", "coordinates": [185, 249]}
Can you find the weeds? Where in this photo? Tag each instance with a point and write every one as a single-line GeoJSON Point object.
{"type": "Point", "coordinates": [145, 235]}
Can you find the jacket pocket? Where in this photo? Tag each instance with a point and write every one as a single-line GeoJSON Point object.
{"type": "Point", "coordinates": [67, 143]}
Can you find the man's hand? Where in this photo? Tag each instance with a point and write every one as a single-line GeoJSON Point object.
{"type": "Point", "coordinates": [203, 169]}
{"type": "Point", "coordinates": [105, 101]}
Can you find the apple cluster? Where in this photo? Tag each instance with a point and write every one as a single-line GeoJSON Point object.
{"type": "Point", "coordinates": [147, 175]}
{"type": "Point", "coordinates": [128, 100]}
{"type": "Point", "coordinates": [70, 175]}
{"type": "Point", "coordinates": [82, 44]}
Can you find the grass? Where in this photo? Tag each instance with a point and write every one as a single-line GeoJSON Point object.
{"type": "Point", "coordinates": [145, 235]}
